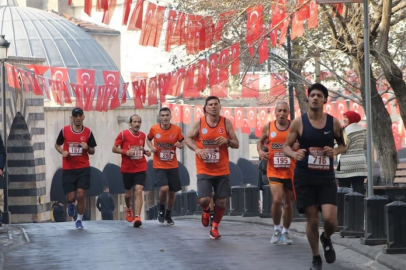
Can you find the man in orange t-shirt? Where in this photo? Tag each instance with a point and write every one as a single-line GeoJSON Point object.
{"type": "Point", "coordinates": [209, 139]}
{"type": "Point", "coordinates": [279, 172]}
{"type": "Point", "coordinates": [130, 145]}
{"type": "Point", "coordinates": [167, 137]}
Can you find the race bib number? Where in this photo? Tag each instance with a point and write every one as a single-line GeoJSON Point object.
{"type": "Point", "coordinates": [138, 152]}
{"type": "Point", "coordinates": [280, 160]}
{"type": "Point", "coordinates": [212, 154]}
{"type": "Point", "coordinates": [75, 149]}
{"type": "Point", "coordinates": [317, 160]}
{"type": "Point", "coordinates": [166, 155]}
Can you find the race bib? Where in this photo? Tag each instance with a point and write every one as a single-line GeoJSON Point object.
{"type": "Point", "coordinates": [75, 149]}
{"type": "Point", "coordinates": [212, 154]}
{"type": "Point", "coordinates": [317, 160]}
{"type": "Point", "coordinates": [166, 155]}
{"type": "Point", "coordinates": [280, 160]}
{"type": "Point", "coordinates": [138, 152]}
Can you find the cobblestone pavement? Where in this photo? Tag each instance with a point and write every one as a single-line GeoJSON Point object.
{"type": "Point", "coordinates": [117, 245]}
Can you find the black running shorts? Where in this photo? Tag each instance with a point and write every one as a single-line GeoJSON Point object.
{"type": "Point", "coordinates": [76, 178]}
{"type": "Point", "coordinates": [207, 183]}
{"type": "Point", "coordinates": [133, 179]}
{"type": "Point", "coordinates": [286, 183]}
{"type": "Point", "coordinates": [168, 177]}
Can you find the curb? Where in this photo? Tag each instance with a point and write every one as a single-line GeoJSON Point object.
{"type": "Point", "coordinates": [389, 261]}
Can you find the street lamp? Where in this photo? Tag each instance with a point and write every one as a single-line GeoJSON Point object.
{"type": "Point", "coordinates": [4, 44]}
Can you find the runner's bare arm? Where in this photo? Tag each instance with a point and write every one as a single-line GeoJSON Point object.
{"type": "Point", "coordinates": [338, 136]}
{"type": "Point", "coordinates": [190, 137]}
{"type": "Point", "coordinates": [261, 142]}
{"type": "Point", "coordinates": [233, 140]}
{"type": "Point", "coordinates": [293, 136]}
{"type": "Point", "coordinates": [117, 149]}
{"type": "Point", "coordinates": [61, 151]}
{"type": "Point", "coordinates": [150, 145]}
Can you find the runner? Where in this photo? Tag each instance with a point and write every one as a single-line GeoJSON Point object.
{"type": "Point", "coordinates": [130, 145]}
{"type": "Point", "coordinates": [75, 143]}
{"type": "Point", "coordinates": [210, 138]}
{"type": "Point", "coordinates": [279, 172]}
{"type": "Point", "coordinates": [314, 173]}
{"type": "Point", "coordinates": [167, 137]}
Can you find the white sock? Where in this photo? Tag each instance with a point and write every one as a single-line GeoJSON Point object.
{"type": "Point", "coordinates": [285, 230]}
{"type": "Point", "coordinates": [277, 227]}
{"type": "Point", "coordinates": [79, 217]}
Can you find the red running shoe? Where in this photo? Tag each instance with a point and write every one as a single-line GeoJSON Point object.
{"type": "Point", "coordinates": [137, 222]}
{"type": "Point", "coordinates": [205, 218]}
{"type": "Point", "coordinates": [214, 233]}
{"type": "Point", "coordinates": [129, 215]}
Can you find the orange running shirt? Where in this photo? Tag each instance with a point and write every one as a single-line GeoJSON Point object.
{"type": "Point", "coordinates": [164, 142]}
{"type": "Point", "coordinates": [279, 165]}
{"type": "Point", "coordinates": [216, 163]}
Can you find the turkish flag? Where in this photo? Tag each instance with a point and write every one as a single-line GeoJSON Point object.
{"type": "Point", "coordinates": [191, 34]}
{"type": "Point", "coordinates": [59, 74]}
{"type": "Point", "coordinates": [160, 85]}
{"type": "Point", "coordinates": [78, 90]}
{"type": "Point", "coordinates": [89, 91]}
{"type": "Point", "coordinates": [126, 11]}
{"type": "Point", "coordinates": [170, 28]}
{"type": "Point", "coordinates": [200, 33]}
{"type": "Point", "coordinates": [246, 129]}
{"type": "Point", "coordinates": [142, 90]}
{"type": "Point", "coordinates": [263, 115]}
{"type": "Point", "coordinates": [263, 51]}
{"type": "Point", "coordinates": [70, 2]}
{"type": "Point", "coordinates": [100, 98]}
{"type": "Point", "coordinates": [239, 116]}
{"type": "Point", "coordinates": [109, 12]}
{"type": "Point", "coordinates": [188, 82]}
{"type": "Point", "coordinates": [252, 116]}
{"type": "Point", "coordinates": [341, 107]}
{"type": "Point", "coordinates": [223, 72]}
{"type": "Point", "coordinates": [258, 129]}
{"type": "Point", "coordinates": [39, 70]}
{"type": "Point", "coordinates": [250, 87]}
{"type": "Point", "coordinates": [313, 17]}
{"type": "Point", "coordinates": [111, 77]}
{"type": "Point", "coordinates": [223, 19]}
{"type": "Point", "coordinates": [177, 113]}
{"type": "Point", "coordinates": [37, 89]}
{"type": "Point", "coordinates": [209, 31]}
{"type": "Point", "coordinates": [85, 76]}
{"type": "Point", "coordinates": [66, 93]}
{"type": "Point", "coordinates": [284, 31]}
{"type": "Point", "coordinates": [297, 27]}
{"type": "Point", "coordinates": [12, 76]}
{"type": "Point", "coordinates": [136, 17]}
{"type": "Point", "coordinates": [277, 84]}
{"type": "Point", "coordinates": [187, 111]}
{"type": "Point", "coordinates": [115, 101]}
{"type": "Point", "coordinates": [219, 90]}
{"type": "Point", "coordinates": [124, 93]}
{"type": "Point", "coordinates": [255, 23]}
{"type": "Point", "coordinates": [102, 5]}
{"type": "Point", "coordinates": [278, 13]}
{"type": "Point", "coordinates": [357, 108]}
{"type": "Point", "coordinates": [107, 95]}
{"type": "Point", "coordinates": [136, 96]}
{"type": "Point", "coordinates": [385, 99]}
{"type": "Point", "coordinates": [198, 113]}
{"type": "Point", "coordinates": [23, 79]}
{"type": "Point", "coordinates": [147, 26]}
{"type": "Point", "coordinates": [272, 115]}
{"type": "Point", "coordinates": [55, 91]}
{"type": "Point", "coordinates": [329, 108]}
{"type": "Point", "coordinates": [178, 37]}
{"type": "Point", "coordinates": [227, 112]}
{"type": "Point", "coordinates": [88, 7]}
{"type": "Point", "coordinates": [157, 26]}
{"type": "Point", "coordinates": [152, 92]}
{"type": "Point", "coordinates": [304, 11]}
{"type": "Point", "coordinates": [43, 82]}
{"type": "Point", "coordinates": [168, 83]}
{"type": "Point", "coordinates": [213, 74]}
{"type": "Point", "coordinates": [202, 77]}
{"type": "Point", "coordinates": [235, 59]}
{"type": "Point", "coordinates": [176, 82]}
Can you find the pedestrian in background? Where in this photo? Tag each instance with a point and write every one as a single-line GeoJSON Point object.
{"type": "Point", "coordinates": [105, 204]}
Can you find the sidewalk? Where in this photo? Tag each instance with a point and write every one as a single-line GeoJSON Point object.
{"type": "Point", "coordinates": [11, 236]}
{"type": "Point", "coordinates": [394, 262]}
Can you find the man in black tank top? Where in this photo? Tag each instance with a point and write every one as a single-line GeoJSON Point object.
{"type": "Point", "coordinates": [314, 173]}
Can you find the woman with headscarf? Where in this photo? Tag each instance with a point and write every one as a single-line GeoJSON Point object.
{"type": "Point", "coordinates": [352, 165]}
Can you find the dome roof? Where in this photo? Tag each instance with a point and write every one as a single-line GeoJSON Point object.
{"type": "Point", "coordinates": [37, 33]}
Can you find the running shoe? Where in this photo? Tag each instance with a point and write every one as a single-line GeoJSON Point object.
{"type": "Point", "coordinates": [129, 215]}
{"type": "Point", "coordinates": [276, 237]}
{"type": "Point", "coordinates": [316, 265]}
{"type": "Point", "coordinates": [329, 253]}
{"type": "Point", "coordinates": [214, 233]}
{"type": "Point", "coordinates": [79, 225]}
{"type": "Point", "coordinates": [137, 222]}
{"type": "Point", "coordinates": [70, 209]}
{"type": "Point", "coordinates": [205, 218]}
{"type": "Point", "coordinates": [161, 217]}
{"type": "Point", "coordinates": [285, 239]}
{"type": "Point", "coordinates": [169, 221]}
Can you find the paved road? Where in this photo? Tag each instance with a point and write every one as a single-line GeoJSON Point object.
{"type": "Point", "coordinates": [117, 245]}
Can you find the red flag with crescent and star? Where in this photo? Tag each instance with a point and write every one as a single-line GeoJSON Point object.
{"type": "Point", "coordinates": [187, 112]}
{"type": "Point", "coordinates": [78, 90]}
{"type": "Point", "coordinates": [111, 77]}
{"type": "Point", "coordinates": [85, 76]}
{"type": "Point", "coordinates": [59, 74]}
{"type": "Point", "coordinates": [100, 97]}
{"type": "Point", "coordinates": [89, 91]}
{"type": "Point", "coordinates": [252, 117]}
{"type": "Point", "coordinates": [198, 113]}
{"type": "Point", "coordinates": [239, 116]}
{"type": "Point", "coordinates": [250, 87]}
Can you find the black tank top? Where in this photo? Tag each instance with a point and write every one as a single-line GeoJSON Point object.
{"type": "Point", "coordinates": [319, 169]}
